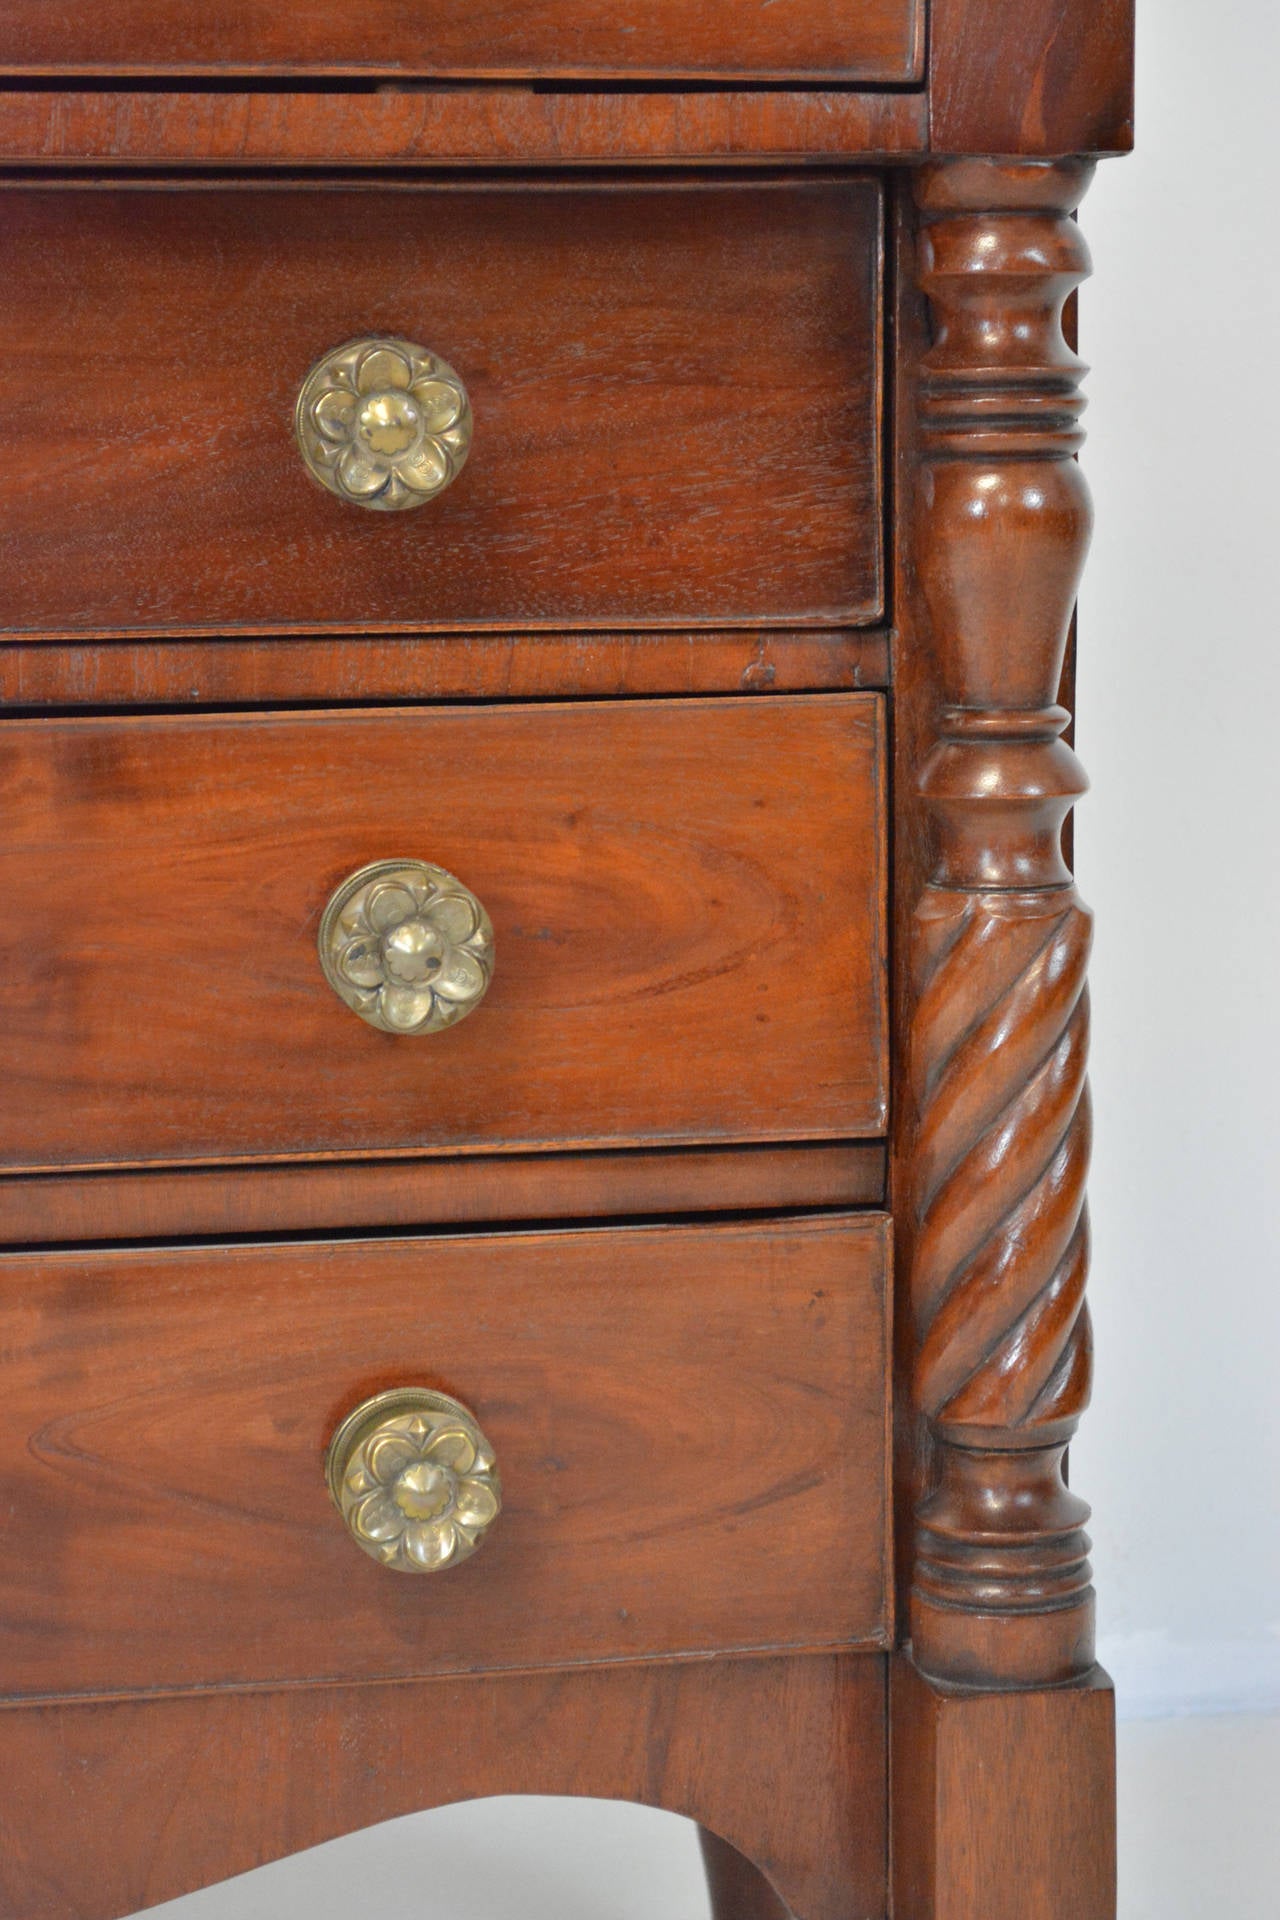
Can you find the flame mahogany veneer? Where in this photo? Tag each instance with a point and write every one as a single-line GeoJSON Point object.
{"type": "Point", "coordinates": [687, 1469]}
{"type": "Point", "coordinates": [748, 1211]}
{"type": "Point", "coordinates": [564, 40]}
{"type": "Point", "coordinates": [655, 378]}
{"type": "Point", "coordinates": [659, 874]}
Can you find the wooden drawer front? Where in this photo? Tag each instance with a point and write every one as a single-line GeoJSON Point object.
{"type": "Point", "coordinates": [686, 898]}
{"type": "Point", "coordinates": [674, 393]}
{"type": "Point", "coordinates": [516, 39]}
{"type": "Point", "coordinates": [690, 1426]}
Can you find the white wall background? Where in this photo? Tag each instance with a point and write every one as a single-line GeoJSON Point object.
{"type": "Point", "coordinates": [1179, 702]}
{"type": "Point", "coordinates": [1178, 695]}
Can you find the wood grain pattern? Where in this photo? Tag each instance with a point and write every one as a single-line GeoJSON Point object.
{"type": "Point", "coordinates": [315, 1196]}
{"type": "Point", "coordinates": [637, 430]}
{"type": "Point", "coordinates": [680, 371]}
{"type": "Point", "coordinates": [915, 704]}
{"type": "Point", "coordinates": [689, 1422]}
{"type": "Point", "coordinates": [1003, 1804]}
{"type": "Point", "coordinates": [476, 666]}
{"type": "Point", "coordinates": [844, 40]}
{"type": "Point", "coordinates": [687, 898]}
{"type": "Point", "coordinates": [1001, 1588]}
{"type": "Point", "coordinates": [1031, 76]}
{"type": "Point", "coordinates": [785, 1758]}
{"type": "Point", "coordinates": [454, 126]}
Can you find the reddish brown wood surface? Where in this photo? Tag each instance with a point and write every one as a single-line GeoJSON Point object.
{"type": "Point", "coordinates": [689, 1423]}
{"type": "Point", "coordinates": [405, 1193]}
{"type": "Point", "coordinates": [476, 666]}
{"type": "Point", "coordinates": [684, 394]}
{"type": "Point", "coordinates": [1003, 1804]}
{"type": "Point", "coordinates": [675, 397]}
{"type": "Point", "coordinates": [554, 39]}
{"type": "Point", "coordinates": [915, 703]}
{"type": "Point", "coordinates": [1030, 76]}
{"type": "Point", "coordinates": [687, 899]}
{"type": "Point", "coordinates": [454, 126]}
{"type": "Point", "coordinates": [997, 1107]}
{"type": "Point", "coordinates": [784, 1757]}
{"type": "Point", "coordinates": [738, 1890]}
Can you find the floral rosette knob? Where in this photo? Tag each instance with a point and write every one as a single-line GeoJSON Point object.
{"type": "Point", "coordinates": [383, 424]}
{"type": "Point", "coordinates": [407, 946]}
{"type": "Point", "coordinates": [415, 1480]}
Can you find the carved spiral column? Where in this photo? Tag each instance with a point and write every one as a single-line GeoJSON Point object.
{"type": "Point", "coordinates": [1001, 1592]}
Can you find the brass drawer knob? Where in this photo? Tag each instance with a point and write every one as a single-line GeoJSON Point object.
{"type": "Point", "coordinates": [383, 423]}
{"type": "Point", "coordinates": [415, 1479]}
{"type": "Point", "coordinates": [407, 946]}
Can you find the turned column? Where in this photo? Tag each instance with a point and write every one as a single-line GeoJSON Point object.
{"type": "Point", "coordinates": [1000, 1593]}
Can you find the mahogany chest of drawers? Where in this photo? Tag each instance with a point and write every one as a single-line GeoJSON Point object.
{"type": "Point", "coordinates": [543, 1013]}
